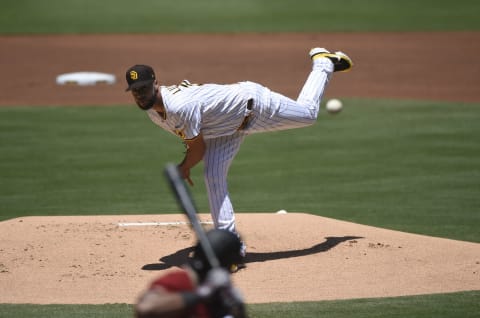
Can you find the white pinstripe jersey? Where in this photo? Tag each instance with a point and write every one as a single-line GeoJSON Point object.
{"type": "Point", "coordinates": [212, 109]}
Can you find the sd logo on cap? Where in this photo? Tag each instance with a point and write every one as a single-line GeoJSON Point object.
{"type": "Point", "coordinates": [139, 75]}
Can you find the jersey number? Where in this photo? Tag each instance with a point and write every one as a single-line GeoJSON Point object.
{"type": "Point", "coordinates": [178, 88]}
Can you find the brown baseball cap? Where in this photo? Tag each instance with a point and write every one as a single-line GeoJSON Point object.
{"type": "Point", "coordinates": [139, 75]}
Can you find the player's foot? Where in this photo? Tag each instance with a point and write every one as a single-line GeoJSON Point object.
{"type": "Point", "coordinates": [341, 62]}
{"type": "Point", "coordinates": [236, 267]}
{"type": "Point", "coordinates": [241, 263]}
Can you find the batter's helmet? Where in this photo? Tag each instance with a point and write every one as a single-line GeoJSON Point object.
{"type": "Point", "coordinates": [226, 246]}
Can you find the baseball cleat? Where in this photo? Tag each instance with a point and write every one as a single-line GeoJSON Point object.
{"type": "Point", "coordinates": [236, 267]}
{"type": "Point", "coordinates": [341, 62]}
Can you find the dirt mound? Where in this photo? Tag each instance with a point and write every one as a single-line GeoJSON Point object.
{"type": "Point", "coordinates": [110, 259]}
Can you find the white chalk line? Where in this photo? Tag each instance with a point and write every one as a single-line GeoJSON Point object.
{"type": "Point", "coordinates": [127, 224]}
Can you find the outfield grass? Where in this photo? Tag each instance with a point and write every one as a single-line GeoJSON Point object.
{"type": "Point", "coordinates": [410, 166]}
{"type": "Point", "coordinates": [153, 16]}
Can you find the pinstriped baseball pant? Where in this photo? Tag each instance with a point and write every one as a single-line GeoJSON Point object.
{"type": "Point", "coordinates": [218, 157]}
{"type": "Point", "coordinates": [271, 111]}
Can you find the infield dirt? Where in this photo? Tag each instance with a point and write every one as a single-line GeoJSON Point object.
{"type": "Point", "coordinates": [291, 257]}
{"type": "Point", "coordinates": [436, 66]}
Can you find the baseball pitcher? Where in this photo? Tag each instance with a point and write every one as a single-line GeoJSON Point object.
{"type": "Point", "coordinates": [214, 119]}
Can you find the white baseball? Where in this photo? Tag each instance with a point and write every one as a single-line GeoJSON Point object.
{"type": "Point", "coordinates": [334, 105]}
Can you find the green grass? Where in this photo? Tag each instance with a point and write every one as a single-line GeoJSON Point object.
{"type": "Point", "coordinates": [404, 165]}
{"type": "Point", "coordinates": [82, 160]}
{"type": "Point", "coordinates": [412, 166]}
{"type": "Point", "coordinates": [464, 304]}
{"type": "Point", "coordinates": [67, 311]}
{"type": "Point", "coordinates": [153, 16]}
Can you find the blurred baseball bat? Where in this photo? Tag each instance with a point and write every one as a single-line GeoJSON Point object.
{"type": "Point", "coordinates": [185, 200]}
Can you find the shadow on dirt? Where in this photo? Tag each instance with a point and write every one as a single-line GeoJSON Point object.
{"type": "Point", "coordinates": [180, 257]}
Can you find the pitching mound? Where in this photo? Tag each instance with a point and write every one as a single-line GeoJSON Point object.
{"type": "Point", "coordinates": [291, 257]}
